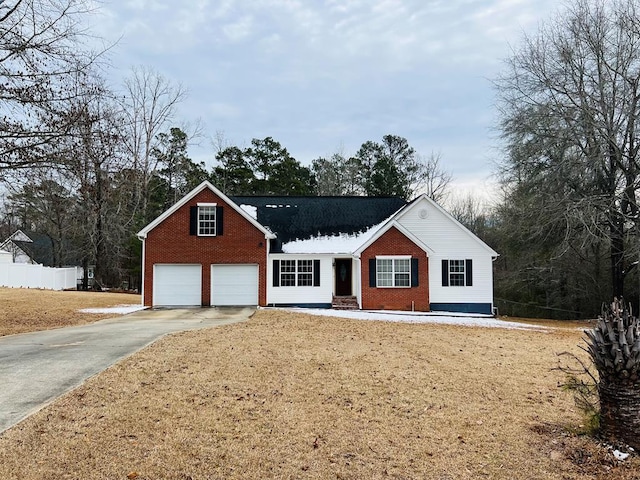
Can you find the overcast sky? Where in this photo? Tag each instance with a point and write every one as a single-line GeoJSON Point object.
{"type": "Point", "coordinates": [324, 75]}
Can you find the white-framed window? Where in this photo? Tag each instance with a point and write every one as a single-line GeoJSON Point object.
{"type": "Point", "coordinates": [393, 272]}
{"type": "Point", "coordinates": [296, 273]}
{"type": "Point", "coordinates": [457, 273]}
{"type": "Point", "coordinates": [207, 220]}
{"type": "Point", "coordinates": [305, 273]}
{"type": "Point", "coordinates": [287, 273]}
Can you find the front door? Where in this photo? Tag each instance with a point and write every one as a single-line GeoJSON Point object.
{"type": "Point", "coordinates": [343, 277]}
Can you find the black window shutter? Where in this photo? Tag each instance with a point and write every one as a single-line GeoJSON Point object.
{"type": "Point", "coordinates": [219, 221]}
{"type": "Point", "coordinates": [414, 273]}
{"type": "Point", "coordinates": [193, 221]}
{"type": "Point", "coordinates": [276, 273]}
{"type": "Point", "coordinates": [372, 272]}
{"type": "Point", "coordinates": [445, 273]}
{"type": "Point", "coordinates": [468, 270]}
{"type": "Point", "coordinates": [316, 273]}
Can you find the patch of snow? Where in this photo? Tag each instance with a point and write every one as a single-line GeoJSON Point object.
{"type": "Point", "coordinates": [251, 210]}
{"type": "Point", "coordinates": [123, 309]}
{"type": "Point", "coordinates": [446, 318]}
{"type": "Point", "coordinates": [342, 244]}
{"type": "Point", "coordinates": [620, 455]}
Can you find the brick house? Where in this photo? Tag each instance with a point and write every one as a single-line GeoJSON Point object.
{"type": "Point", "coordinates": [378, 253]}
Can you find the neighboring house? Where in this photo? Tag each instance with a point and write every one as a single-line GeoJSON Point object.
{"type": "Point", "coordinates": [210, 249]}
{"type": "Point", "coordinates": [34, 248]}
{"type": "Point", "coordinates": [29, 247]}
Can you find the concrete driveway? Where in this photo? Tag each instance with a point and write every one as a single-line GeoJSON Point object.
{"type": "Point", "coordinates": [38, 367]}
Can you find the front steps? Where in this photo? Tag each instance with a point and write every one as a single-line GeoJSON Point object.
{"type": "Point", "coordinates": [345, 303]}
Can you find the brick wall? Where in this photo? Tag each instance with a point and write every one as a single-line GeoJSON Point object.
{"type": "Point", "coordinates": [393, 242]}
{"type": "Point", "coordinates": [170, 242]}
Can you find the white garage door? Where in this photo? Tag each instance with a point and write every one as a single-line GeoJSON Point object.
{"type": "Point", "coordinates": [177, 285]}
{"type": "Point", "coordinates": [234, 285]}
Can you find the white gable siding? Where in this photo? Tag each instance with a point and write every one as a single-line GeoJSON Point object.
{"type": "Point", "coordinates": [449, 241]}
{"type": "Point", "coordinates": [19, 236]}
{"type": "Point", "coordinates": [17, 254]}
{"type": "Point", "coordinates": [301, 295]}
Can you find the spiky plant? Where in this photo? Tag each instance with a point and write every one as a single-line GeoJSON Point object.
{"type": "Point", "coordinates": [614, 347]}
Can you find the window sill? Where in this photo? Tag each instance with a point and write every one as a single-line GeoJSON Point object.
{"type": "Point", "coordinates": [377, 286]}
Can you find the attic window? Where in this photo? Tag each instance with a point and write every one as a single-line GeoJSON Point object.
{"type": "Point", "coordinates": [206, 220]}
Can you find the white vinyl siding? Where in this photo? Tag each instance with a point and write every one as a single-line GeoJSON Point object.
{"type": "Point", "coordinates": [295, 294]}
{"type": "Point", "coordinates": [448, 240]}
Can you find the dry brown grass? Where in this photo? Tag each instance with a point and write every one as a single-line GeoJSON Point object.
{"type": "Point", "coordinates": [27, 310]}
{"type": "Point", "coordinates": [293, 396]}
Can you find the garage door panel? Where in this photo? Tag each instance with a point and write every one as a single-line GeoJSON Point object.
{"type": "Point", "coordinates": [177, 285]}
{"type": "Point", "coordinates": [234, 285]}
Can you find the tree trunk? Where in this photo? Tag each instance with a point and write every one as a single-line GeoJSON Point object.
{"type": "Point", "coordinates": [616, 233]}
{"type": "Point", "coordinates": [620, 411]}
{"type": "Point", "coordinates": [85, 274]}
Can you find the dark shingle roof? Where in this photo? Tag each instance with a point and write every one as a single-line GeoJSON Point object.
{"type": "Point", "coordinates": [40, 250]}
{"type": "Point", "coordinates": [299, 218]}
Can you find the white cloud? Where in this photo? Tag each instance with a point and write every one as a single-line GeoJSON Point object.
{"type": "Point", "coordinates": [239, 29]}
{"type": "Point", "coordinates": [224, 110]}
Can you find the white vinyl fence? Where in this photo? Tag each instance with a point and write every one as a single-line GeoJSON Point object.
{"type": "Point", "coordinates": [23, 275]}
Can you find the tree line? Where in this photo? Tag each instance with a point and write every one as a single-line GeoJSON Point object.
{"type": "Point", "coordinates": [387, 168]}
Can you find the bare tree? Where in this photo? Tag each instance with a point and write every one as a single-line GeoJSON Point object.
{"type": "Point", "coordinates": [89, 159]}
{"type": "Point", "coordinates": [42, 55]}
{"type": "Point", "coordinates": [220, 142]}
{"type": "Point", "coordinates": [569, 102]}
{"type": "Point", "coordinates": [150, 105]}
{"type": "Point", "coordinates": [469, 211]}
{"type": "Point", "coordinates": [431, 178]}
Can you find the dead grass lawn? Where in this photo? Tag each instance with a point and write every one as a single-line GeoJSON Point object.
{"type": "Point", "coordinates": [294, 396]}
{"type": "Point", "coordinates": [27, 310]}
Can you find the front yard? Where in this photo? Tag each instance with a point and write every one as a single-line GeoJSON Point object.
{"type": "Point", "coordinates": [27, 310]}
{"type": "Point", "coordinates": [289, 395]}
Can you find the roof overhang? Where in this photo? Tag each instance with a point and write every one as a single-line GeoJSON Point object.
{"type": "Point", "coordinates": [391, 223]}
